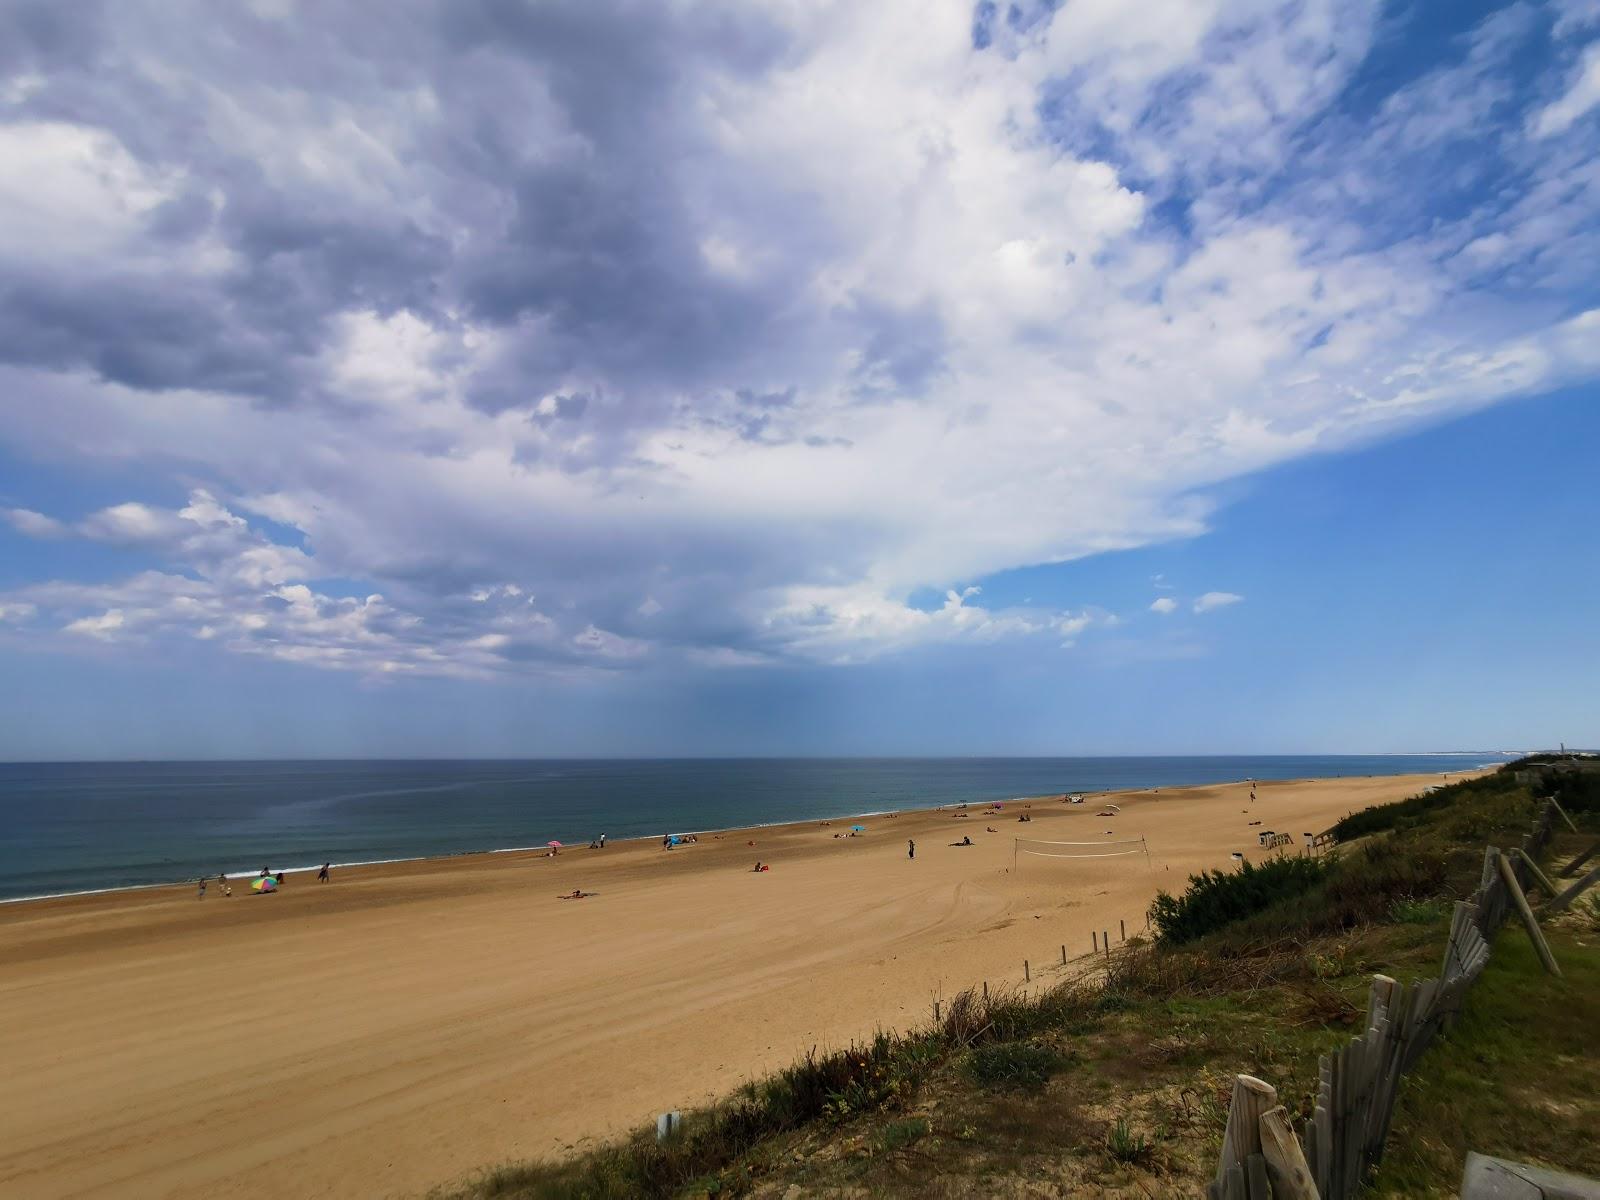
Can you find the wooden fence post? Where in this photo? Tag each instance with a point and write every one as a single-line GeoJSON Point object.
{"type": "Point", "coordinates": [1123, 925]}
{"type": "Point", "coordinates": [1560, 903]}
{"type": "Point", "coordinates": [1286, 1165]}
{"type": "Point", "coordinates": [1564, 817]}
{"type": "Point", "coordinates": [1576, 865]}
{"type": "Point", "coordinates": [1521, 901]}
{"type": "Point", "coordinates": [1027, 976]}
{"type": "Point", "coordinates": [1063, 956]}
{"type": "Point", "coordinates": [1550, 889]}
{"type": "Point", "coordinates": [1251, 1098]}
{"type": "Point", "coordinates": [1094, 940]}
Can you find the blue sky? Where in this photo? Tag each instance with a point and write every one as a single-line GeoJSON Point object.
{"type": "Point", "coordinates": [588, 379]}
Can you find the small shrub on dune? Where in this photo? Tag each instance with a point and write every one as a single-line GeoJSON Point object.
{"type": "Point", "coordinates": [1020, 1065]}
{"type": "Point", "coordinates": [1215, 899]}
{"type": "Point", "coordinates": [1126, 1146]}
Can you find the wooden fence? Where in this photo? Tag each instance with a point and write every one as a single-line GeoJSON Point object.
{"type": "Point", "coordinates": [1359, 1084]}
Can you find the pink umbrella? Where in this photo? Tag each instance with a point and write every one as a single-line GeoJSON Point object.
{"type": "Point", "coordinates": [556, 844]}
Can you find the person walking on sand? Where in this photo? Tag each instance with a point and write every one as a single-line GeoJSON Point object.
{"type": "Point", "coordinates": [911, 848]}
{"type": "Point", "coordinates": [202, 893]}
{"type": "Point", "coordinates": [322, 875]}
{"type": "Point", "coordinates": [602, 841]}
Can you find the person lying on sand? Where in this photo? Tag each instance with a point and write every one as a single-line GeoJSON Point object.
{"type": "Point", "coordinates": [759, 867]}
{"type": "Point", "coordinates": [966, 841]}
{"type": "Point", "coordinates": [577, 894]}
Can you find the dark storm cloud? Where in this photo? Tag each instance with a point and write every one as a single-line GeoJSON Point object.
{"type": "Point", "coordinates": [529, 177]}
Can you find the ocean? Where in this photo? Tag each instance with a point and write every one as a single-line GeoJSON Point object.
{"type": "Point", "coordinates": [73, 827]}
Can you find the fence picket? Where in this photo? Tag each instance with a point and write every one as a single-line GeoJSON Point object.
{"type": "Point", "coordinates": [1255, 1177]}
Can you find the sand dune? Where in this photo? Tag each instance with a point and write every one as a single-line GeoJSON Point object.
{"type": "Point", "coordinates": [405, 1024]}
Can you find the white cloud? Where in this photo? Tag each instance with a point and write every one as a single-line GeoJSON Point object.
{"type": "Point", "coordinates": [604, 643]}
{"type": "Point", "coordinates": [1575, 16]}
{"type": "Point", "coordinates": [70, 192]}
{"type": "Point", "coordinates": [1163, 605]}
{"type": "Point", "coordinates": [105, 626]}
{"type": "Point", "coordinates": [1213, 600]}
{"type": "Point", "coordinates": [1582, 95]}
{"type": "Point", "coordinates": [25, 520]}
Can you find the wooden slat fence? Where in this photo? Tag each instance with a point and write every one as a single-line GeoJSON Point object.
{"type": "Point", "coordinates": [1359, 1084]}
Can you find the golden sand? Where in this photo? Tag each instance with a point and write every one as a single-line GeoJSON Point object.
{"type": "Point", "coordinates": [406, 1024]}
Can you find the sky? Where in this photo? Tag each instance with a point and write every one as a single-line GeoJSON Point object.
{"type": "Point", "coordinates": [733, 378]}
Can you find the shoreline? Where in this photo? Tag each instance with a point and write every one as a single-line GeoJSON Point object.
{"type": "Point", "coordinates": [454, 855]}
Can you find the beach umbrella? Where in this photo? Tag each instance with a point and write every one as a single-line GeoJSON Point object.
{"type": "Point", "coordinates": [265, 884]}
{"type": "Point", "coordinates": [859, 828]}
{"type": "Point", "coordinates": [553, 842]}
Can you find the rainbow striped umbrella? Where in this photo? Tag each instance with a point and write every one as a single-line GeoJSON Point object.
{"type": "Point", "coordinates": [265, 884]}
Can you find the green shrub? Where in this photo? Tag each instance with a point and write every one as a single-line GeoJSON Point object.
{"type": "Point", "coordinates": [1575, 791]}
{"type": "Point", "coordinates": [1021, 1065]}
{"type": "Point", "coordinates": [1417, 912]}
{"type": "Point", "coordinates": [1416, 811]}
{"type": "Point", "coordinates": [1218, 898]}
{"type": "Point", "coordinates": [897, 1135]}
{"type": "Point", "coordinates": [1126, 1146]}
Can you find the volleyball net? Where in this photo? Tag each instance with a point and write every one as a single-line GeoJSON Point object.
{"type": "Point", "coordinates": [1111, 848]}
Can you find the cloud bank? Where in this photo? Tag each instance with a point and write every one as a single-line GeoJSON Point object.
{"type": "Point", "coordinates": [489, 338]}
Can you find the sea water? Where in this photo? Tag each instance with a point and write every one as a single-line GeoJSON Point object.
{"type": "Point", "coordinates": [70, 827]}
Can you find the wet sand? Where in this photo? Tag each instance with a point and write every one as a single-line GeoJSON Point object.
{"type": "Point", "coordinates": [406, 1024]}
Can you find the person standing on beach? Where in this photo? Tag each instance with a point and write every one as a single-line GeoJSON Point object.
{"type": "Point", "coordinates": [911, 848]}
{"type": "Point", "coordinates": [322, 875]}
{"type": "Point", "coordinates": [202, 893]}
{"type": "Point", "coordinates": [602, 841]}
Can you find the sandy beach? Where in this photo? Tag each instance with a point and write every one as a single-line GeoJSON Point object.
{"type": "Point", "coordinates": [405, 1024]}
